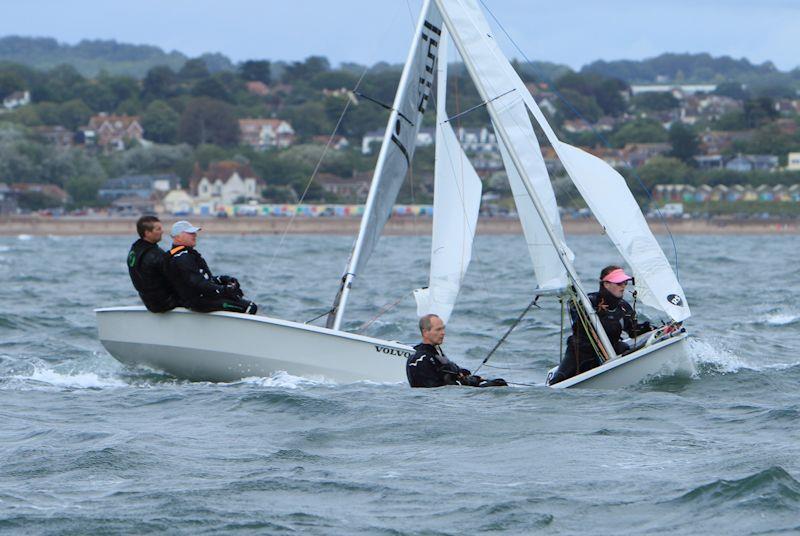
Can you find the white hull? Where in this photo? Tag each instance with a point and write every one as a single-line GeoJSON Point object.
{"type": "Point", "coordinates": [666, 357]}
{"type": "Point", "coordinates": [224, 346]}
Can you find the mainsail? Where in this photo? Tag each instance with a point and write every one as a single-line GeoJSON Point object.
{"type": "Point", "coordinates": [456, 202]}
{"type": "Point", "coordinates": [411, 102]}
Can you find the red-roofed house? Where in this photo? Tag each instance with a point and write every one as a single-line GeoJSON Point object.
{"type": "Point", "coordinates": [113, 131]}
{"type": "Point", "coordinates": [263, 134]}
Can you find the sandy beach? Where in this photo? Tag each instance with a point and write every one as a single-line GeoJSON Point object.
{"type": "Point", "coordinates": [64, 226]}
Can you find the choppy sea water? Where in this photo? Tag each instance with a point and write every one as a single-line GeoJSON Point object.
{"type": "Point", "coordinates": [87, 445]}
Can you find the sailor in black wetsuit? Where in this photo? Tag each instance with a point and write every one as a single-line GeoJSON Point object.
{"type": "Point", "coordinates": [146, 267]}
{"type": "Point", "coordinates": [197, 287]}
{"type": "Point", "coordinates": [429, 367]}
{"type": "Point", "coordinates": [615, 314]}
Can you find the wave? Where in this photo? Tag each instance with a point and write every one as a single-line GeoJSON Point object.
{"type": "Point", "coordinates": [46, 378]}
{"type": "Point", "coordinates": [284, 380]}
{"type": "Point", "coordinates": [718, 359]}
{"type": "Point", "coordinates": [24, 237]}
{"type": "Point", "coordinates": [771, 488]}
{"type": "Point", "coordinates": [779, 319]}
{"type": "Point", "coordinates": [4, 249]}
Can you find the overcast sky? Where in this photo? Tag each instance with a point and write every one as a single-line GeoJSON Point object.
{"type": "Point", "coordinates": [573, 32]}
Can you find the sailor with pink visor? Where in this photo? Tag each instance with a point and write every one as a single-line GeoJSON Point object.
{"type": "Point", "coordinates": [615, 314]}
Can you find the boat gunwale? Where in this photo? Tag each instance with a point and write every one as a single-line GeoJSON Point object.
{"type": "Point", "coordinates": [265, 320]}
{"type": "Point", "coordinates": [614, 363]}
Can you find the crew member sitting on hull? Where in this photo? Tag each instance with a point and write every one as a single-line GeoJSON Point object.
{"type": "Point", "coordinates": [198, 289]}
{"type": "Point", "coordinates": [429, 367]}
{"type": "Point", "coordinates": [615, 314]}
{"type": "Point", "coordinates": [146, 267]}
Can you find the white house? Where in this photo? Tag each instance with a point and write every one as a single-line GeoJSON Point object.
{"type": "Point", "coordinates": [226, 182]}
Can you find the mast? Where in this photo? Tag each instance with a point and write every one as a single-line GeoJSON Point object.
{"type": "Point", "coordinates": [422, 58]}
{"type": "Point", "coordinates": [502, 132]}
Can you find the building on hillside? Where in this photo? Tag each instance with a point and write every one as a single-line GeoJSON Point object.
{"type": "Point", "coordinates": [112, 132]}
{"type": "Point", "coordinates": [710, 161]}
{"type": "Point", "coordinates": [17, 99]}
{"type": "Point", "coordinates": [8, 201]}
{"type": "Point", "coordinates": [225, 182]}
{"type": "Point", "coordinates": [178, 203]}
{"type": "Point", "coordinates": [793, 162]}
{"type": "Point", "coordinates": [143, 186]}
{"type": "Point", "coordinates": [354, 188]}
{"type": "Point", "coordinates": [638, 154]}
{"type": "Point", "coordinates": [133, 205]}
{"type": "Point", "coordinates": [721, 141]}
{"type": "Point", "coordinates": [262, 134]}
{"type": "Point", "coordinates": [257, 88]}
{"type": "Point", "coordinates": [752, 162]}
{"type": "Point", "coordinates": [52, 191]}
{"type": "Point", "coordinates": [679, 91]}
{"type": "Point", "coordinates": [338, 143]}
{"type": "Point", "coordinates": [57, 136]}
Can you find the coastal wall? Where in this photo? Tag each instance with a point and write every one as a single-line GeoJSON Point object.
{"type": "Point", "coordinates": [34, 225]}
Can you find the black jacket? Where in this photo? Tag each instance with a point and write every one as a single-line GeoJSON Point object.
{"type": "Point", "coordinates": [189, 274]}
{"type": "Point", "coordinates": [146, 268]}
{"type": "Point", "coordinates": [429, 367]}
{"type": "Point", "coordinates": [615, 314]}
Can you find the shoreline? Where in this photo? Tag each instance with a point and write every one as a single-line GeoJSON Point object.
{"type": "Point", "coordinates": [405, 225]}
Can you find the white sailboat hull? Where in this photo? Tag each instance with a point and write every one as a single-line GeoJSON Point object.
{"type": "Point", "coordinates": [223, 347]}
{"type": "Point", "coordinates": [666, 357]}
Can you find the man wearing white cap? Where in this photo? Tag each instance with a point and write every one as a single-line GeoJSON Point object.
{"type": "Point", "coordinates": [198, 288]}
{"type": "Point", "coordinates": [615, 314]}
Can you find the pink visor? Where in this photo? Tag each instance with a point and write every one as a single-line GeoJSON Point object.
{"type": "Point", "coordinates": [617, 276]}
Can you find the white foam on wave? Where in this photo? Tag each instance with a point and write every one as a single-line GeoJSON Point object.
{"type": "Point", "coordinates": [285, 380]}
{"type": "Point", "coordinates": [780, 319]}
{"type": "Point", "coordinates": [50, 378]}
{"type": "Point", "coordinates": [24, 237]}
{"type": "Point", "coordinates": [725, 361]}
{"type": "Point", "coordinates": [4, 249]}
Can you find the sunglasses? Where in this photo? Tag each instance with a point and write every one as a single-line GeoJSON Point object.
{"type": "Point", "coordinates": [623, 284]}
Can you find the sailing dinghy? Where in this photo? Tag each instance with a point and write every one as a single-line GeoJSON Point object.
{"type": "Point", "coordinates": [224, 346]}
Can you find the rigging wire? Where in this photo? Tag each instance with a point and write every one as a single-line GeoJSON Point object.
{"type": "Point", "coordinates": [598, 134]}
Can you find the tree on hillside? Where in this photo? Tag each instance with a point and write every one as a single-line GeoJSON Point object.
{"type": "Point", "coordinates": [734, 90]}
{"type": "Point", "coordinates": [207, 120]}
{"type": "Point", "coordinates": [301, 71]}
{"type": "Point", "coordinates": [160, 122]}
{"type": "Point", "coordinates": [655, 101]}
{"type": "Point", "coordinates": [639, 131]}
{"type": "Point", "coordinates": [685, 143]}
{"type": "Point", "coordinates": [255, 71]}
{"type": "Point", "coordinates": [586, 106]}
{"type": "Point", "coordinates": [759, 111]}
{"type": "Point", "coordinates": [9, 83]}
{"type": "Point", "coordinates": [194, 69]}
{"type": "Point", "coordinates": [211, 88]}
{"type": "Point", "coordinates": [664, 170]}
{"type": "Point", "coordinates": [160, 82]}
{"type": "Point", "coordinates": [607, 92]}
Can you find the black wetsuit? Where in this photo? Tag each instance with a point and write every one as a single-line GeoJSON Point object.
{"type": "Point", "coordinates": [429, 367]}
{"type": "Point", "coordinates": [197, 286]}
{"type": "Point", "coordinates": [146, 268]}
{"type": "Point", "coordinates": [616, 315]}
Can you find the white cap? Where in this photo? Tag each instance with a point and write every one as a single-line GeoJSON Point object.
{"type": "Point", "coordinates": [183, 226]}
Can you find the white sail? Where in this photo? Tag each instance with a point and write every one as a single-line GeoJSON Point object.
{"type": "Point", "coordinates": [411, 101]}
{"type": "Point", "coordinates": [618, 213]}
{"type": "Point", "coordinates": [612, 203]}
{"type": "Point", "coordinates": [394, 160]}
{"type": "Point", "coordinates": [456, 203]}
{"type": "Point", "coordinates": [549, 271]}
{"type": "Point", "coordinates": [499, 76]}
